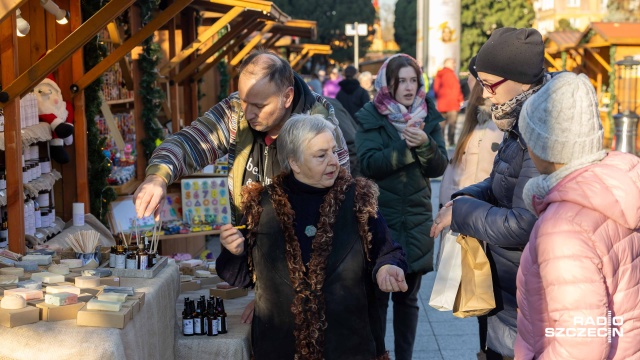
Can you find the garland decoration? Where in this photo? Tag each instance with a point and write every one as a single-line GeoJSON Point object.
{"type": "Point", "coordinates": [150, 93]}
{"type": "Point", "coordinates": [99, 169]}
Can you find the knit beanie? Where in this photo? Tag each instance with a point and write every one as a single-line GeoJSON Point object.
{"type": "Point", "coordinates": [513, 54]}
{"type": "Point", "coordinates": [560, 123]}
{"type": "Point", "coordinates": [472, 67]}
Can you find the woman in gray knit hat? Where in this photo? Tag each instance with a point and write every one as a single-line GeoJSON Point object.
{"type": "Point", "coordinates": [510, 67]}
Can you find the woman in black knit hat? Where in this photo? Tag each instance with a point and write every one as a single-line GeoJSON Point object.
{"type": "Point", "coordinates": [510, 67]}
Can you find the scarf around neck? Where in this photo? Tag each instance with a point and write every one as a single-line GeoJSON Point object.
{"type": "Point", "coordinates": [506, 115]}
{"type": "Point", "coordinates": [397, 114]}
{"type": "Point", "coordinates": [538, 187]}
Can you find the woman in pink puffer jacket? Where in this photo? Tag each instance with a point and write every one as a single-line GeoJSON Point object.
{"type": "Point", "coordinates": [579, 275]}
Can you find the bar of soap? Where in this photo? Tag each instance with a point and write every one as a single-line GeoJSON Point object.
{"type": "Point", "coordinates": [94, 304]}
{"type": "Point", "coordinates": [13, 302]}
{"type": "Point", "coordinates": [62, 288]}
{"type": "Point", "coordinates": [39, 259]}
{"type": "Point", "coordinates": [72, 263]}
{"type": "Point", "coordinates": [63, 298]}
{"type": "Point", "coordinates": [191, 263]}
{"type": "Point", "coordinates": [27, 294]}
{"type": "Point", "coordinates": [224, 285]}
{"type": "Point", "coordinates": [97, 272]}
{"type": "Point", "coordinates": [12, 271]}
{"type": "Point", "coordinates": [8, 279]}
{"type": "Point", "coordinates": [61, 269]}
{"type": "Point", "coordinates": [119, 289]}
{"type": "Point", "coordinates": [203, 274]}
{"type": "Point", "coordinates": [87, 281]}
{"type": "Point", "coordinates": [112, 297]}
{"type": "Point", "coordinates": [185, 278]}
{"type": "Point", "coordinates": [47, 277]}
{"type": "Point", "coordinates": [27, 265]}
{"type": "Point", "coordinates": [30, 284]}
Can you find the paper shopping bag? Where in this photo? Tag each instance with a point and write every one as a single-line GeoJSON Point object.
{"type": "Point", "coordinates": [448, 275]}
{"type": "Point", "coordinates": [475, 295]}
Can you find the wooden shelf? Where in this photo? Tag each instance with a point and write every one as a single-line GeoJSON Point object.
{"type": "Point", "coordinates": [31, 134]}
{"type": "Point", "coordinates": [188, 235]}
{"type": "Point", "coordinates": [127, 188]}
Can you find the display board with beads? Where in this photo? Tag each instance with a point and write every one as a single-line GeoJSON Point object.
{"type": "Point", "coordinates": [205, 203]}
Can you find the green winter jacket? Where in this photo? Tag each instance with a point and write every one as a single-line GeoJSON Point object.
{"type": "Point", "coordinates": [403, 177]}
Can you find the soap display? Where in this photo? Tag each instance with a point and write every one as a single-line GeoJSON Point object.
{"type": "Point", "coordinates": [27, 294]}
{"type": "Point", "coordinates": [61, 269]}
{"type": "Point", "coordinates": [112, 297]}
{"type": "Point", "coordinates": [8, 279]}
{"type": "Point", "coordinates": [203, 274]}
{"type": "Point", "coordinates": [27, 265]}
{"type": "Point", "coordinates": [72, 263]}
{"type": "Point", "coordinates": [47, 277]}
{"type": "Point", "coordinates": [62, 288]}
{"type": "Point", "coordinates": [39, 259]}
{"type": "Point", "coordinates": [87, 281]}
{"type": "Point", "coordinates": [63, 298]}
{"type": "Point", "coordinates": [12, 271]}
{"type": "Point", "coordinates": [119, 289]}
{"type": "Point", "coordinates": [94, 304]}
{"type": "Point", "coordinates": [13, 302]}
{"type": "Point", "coordinates": [97, 272]}
{"type": "Point", "coordinates": [30, 284]}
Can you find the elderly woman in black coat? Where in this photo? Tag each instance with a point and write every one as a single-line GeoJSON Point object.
{"type": "Point", "coordinates": [315, 249]}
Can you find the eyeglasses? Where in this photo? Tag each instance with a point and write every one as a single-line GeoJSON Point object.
{"type": "Point", "coordinates": [491, 89]}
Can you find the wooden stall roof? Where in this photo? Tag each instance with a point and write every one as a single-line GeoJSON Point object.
{"type": "Point", "coordinates": [613, 33]}
{"type": "Point", "coordinates": [305, 51]}
{"type": "Point", "coordinates": [301, 28]}
{"type": "Point", "coordinates": [268, 8]}
{"type": "Point", "coordinates": [558, 41]}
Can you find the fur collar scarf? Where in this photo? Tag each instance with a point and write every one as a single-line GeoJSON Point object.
{"type": "Point", "coordinates": [308, 306]}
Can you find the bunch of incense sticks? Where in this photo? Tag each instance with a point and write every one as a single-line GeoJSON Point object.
{"type": "Point", "coordinates": [135, 226]}
{"type": "Point", "coordinates": [155, 236]}
{"type": "Point", "coordinates": [84, 242]}
{"type": "Point", "coordinates": [121, 234]}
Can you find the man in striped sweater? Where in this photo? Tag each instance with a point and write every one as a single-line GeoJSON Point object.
{"type": "Point", "coordinates": [245, 126]}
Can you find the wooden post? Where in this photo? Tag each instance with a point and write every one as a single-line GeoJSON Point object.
{"type": "Point", "coordinates": [141, 160]}
{"type": "Point", "coordinates": [80, 135]}
{"type": "Point", "coordinates": [173, 87]}
{"type": "Point", "coordinates": [190, 89]}
{"type": "Point", "coordinates": [12, 137]}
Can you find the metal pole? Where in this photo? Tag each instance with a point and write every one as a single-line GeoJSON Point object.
{"type": "Point", "coordinates": [356, 50]}
{"type": "Point", "coordinates": [420, 44]}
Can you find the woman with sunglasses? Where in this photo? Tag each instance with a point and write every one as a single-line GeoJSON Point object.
{"type": "Point", "coordinates": [510, 67]}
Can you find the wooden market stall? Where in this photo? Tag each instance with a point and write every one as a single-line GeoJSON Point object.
{"type": "Point", "coordinates": [561, 51]}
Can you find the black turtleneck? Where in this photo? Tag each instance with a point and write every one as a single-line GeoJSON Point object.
{"type": "Point", "coordinates": [305, 201]}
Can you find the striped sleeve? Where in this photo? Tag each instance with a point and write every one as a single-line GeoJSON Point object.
{"type": "Point", "coordinates": [200, 144]}
{"type": "Point", "coordinates": [343, 151]}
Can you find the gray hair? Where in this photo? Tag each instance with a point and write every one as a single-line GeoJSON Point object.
{"type": "Point", "coordinates": [266, 63]}
{"type": "Point", "coordinates": [296, 134]}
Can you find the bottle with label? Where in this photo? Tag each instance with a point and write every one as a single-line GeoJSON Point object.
{"type": "Point", "coordinates": [197, 323]}
{"type": "Point", "coordinates": [143, 258]}
{"type": "Point", "coordinates": [3, 179]}
{"type": "Point", "coordinates": [112, 257]}
{"type": "Point", "coordinates": [132, 259]}
{"type": "Point", "coordinates": [212, 319]}
{"type": "Point", "coordinates": [187, 319]}
{"type": "Point", "coordinates": [4, 231]}
{"type": "Point", "coordinates": [203, 315]}
{"type": "Point", "coordinates": [36, 213]}
{"type": "Point", "coordinates": [121, 257]}
{"type": "Point", "coordinates": [223, 317]}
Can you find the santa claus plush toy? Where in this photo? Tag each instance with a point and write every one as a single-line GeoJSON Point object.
{"type": "Point", "coordinates": [58, 114]}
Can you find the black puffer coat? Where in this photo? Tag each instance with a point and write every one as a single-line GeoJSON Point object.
{"type": "Point", "coordinates": [497, 215]}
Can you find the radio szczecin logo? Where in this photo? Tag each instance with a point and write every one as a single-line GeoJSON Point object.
{"type": "Point", "coordinates": [609, 326]}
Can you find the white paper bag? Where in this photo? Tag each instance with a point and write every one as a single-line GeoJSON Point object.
{"type": "Point", "coordinates": [448, 275]}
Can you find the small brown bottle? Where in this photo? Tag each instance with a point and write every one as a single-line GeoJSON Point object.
{"type": "Point", "coordinates": [121, 257]}
{"type": "Point", "coordinates": [143, 258]}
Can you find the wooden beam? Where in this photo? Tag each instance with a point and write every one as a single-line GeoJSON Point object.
{"type": "Point", "coordinates": [189, 89]}
{"type": "Point", "coordinates": [80, 121]}
{"type": "Point", "coordinates": [12, 137]}
{"type": "Point", "coordinates": [135, 22]}
{"type": "Point", "coordinates": [173, 88]}
{"type": "Point", "coordinates": [201, 39]}
{"type": "Point", "coordinates": [599, 58]}
{"type": "Point", "coordinates": [233, 46]}
{"type": "Point", "coordinates": [245, 50]}
{"type": "Point", "coordinates": [132, 42]}
{"type": "Point", "coordinates": [301, 63]}
{"type": "Point", "coordinates": [298, 57]}
{"type": "Point", "coordinates": [212, 50]}
{"type": "Point", "coordinates": [272, 40]}
{"type": "Point", "coordinates": [7, 7]}
{"type": "Point", "coordinates": [25, 82]}
{"type": "Point", "coordinates": [551, 60]}
{"type": "Point", "coordinates": [116, 37]}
